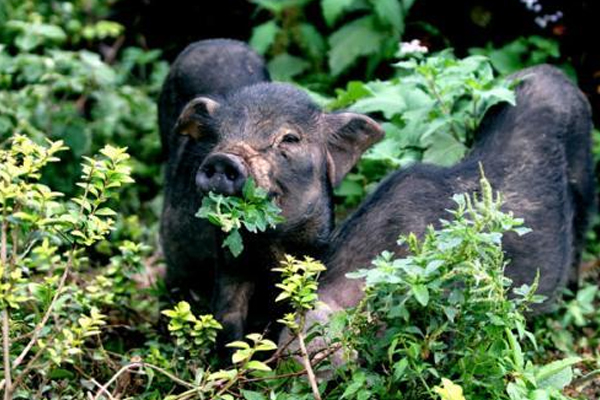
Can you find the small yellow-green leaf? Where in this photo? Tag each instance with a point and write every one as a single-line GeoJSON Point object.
{"type": "Point", "coordinates": [449, 390]}
{"type": "Point", "coordinates": [241, 355]}
{"type": "Point", "coordinates": [258, 366]}
{"type": "Point", "coordinates": [238, 344]}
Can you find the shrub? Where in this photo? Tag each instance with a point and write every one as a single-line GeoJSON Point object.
{"type": "Point", "coordinates": [444, 312]}
{"type": "Point", "coordinates": [317, 53]}
{"type": "Point", "coordinates": [430, 113]}
{"type": "Point", "coordinates": [56, 84]}
{"type": "Point", "coordinates": [47, 316]}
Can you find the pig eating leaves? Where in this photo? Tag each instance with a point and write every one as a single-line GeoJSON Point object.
{"type": "Point", "coordinates": [272, 133]}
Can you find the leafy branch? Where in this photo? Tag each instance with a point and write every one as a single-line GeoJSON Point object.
{"type": "Point", "coordinates": [299, 288]}
{"type": "Point", "coordinates": [254, 211]}
{"type": "Point", "coordinates": [28, 206]}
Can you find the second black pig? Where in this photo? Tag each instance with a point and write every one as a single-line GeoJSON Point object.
{"type": "Point", "coordinates": [536, 153]}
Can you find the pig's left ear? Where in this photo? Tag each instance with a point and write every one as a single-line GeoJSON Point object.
{"type": "Point", "coordinates": [348, 136]}
{"type": "Point", "coordinates": [195, 116]}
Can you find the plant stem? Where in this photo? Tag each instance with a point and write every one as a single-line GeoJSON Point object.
{"type": "Point", "coordinates": [309, 371]}
{"type": "Point", "coordinates": [26, 370]}
{"type": "Point", "coordinates": [6, 352]}
{"type": "Point", "coordinates": [38, 329]}
{"type": "Point", "coordinates": [104, 388]}
{"type": "Point", "coordinates": [323, 354]}
{"type": "Point", "coordinates": [443, 106]}
{"type": "Point", "coordinates": [5, 316]}
{"type": "Point", "coordinates": [228, 386]}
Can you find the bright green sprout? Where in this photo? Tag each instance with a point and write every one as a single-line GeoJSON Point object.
{"type": "Point", "coordinates": [254, 211]}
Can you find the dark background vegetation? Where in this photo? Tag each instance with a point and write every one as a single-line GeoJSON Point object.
{"type": "Point", "coordinates": [463, 24]}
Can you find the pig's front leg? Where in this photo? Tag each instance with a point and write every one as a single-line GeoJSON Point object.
{"type": "Point", "coordinates": [231, 299]}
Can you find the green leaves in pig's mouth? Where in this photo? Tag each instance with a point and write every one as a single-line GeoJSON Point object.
{"type": "Point", "coordinates": [255, 211]}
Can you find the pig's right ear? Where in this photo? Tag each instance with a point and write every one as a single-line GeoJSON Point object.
{"type": "Point", "coordinates": [349, 136]}
{"type": "Point", "coordinates": [195, 116]}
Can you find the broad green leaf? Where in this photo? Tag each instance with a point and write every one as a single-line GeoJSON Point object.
{"type": "Point", "coordinates": [251, 395]}
{"type": "Point", "coordinates": [517, 353]}
{"type": "Point", "coordinates": [358, 383]}
{"type": "Point", "coordinates": [258, 366]}
{"type": "Point", "coordinates": [263, 36]}
{"type": "Point", "coordinates": [61, 373]}
{"type": "Point", "coordinates": [444, 150]}
{"type": "Point", "coordinates": [390, 12]}
{"type": "Point", "coordinates": [449, 390]}
{"type": "Point", "coordinates": [333, 9]}
{"type": "Point", "coordinates": [350, 187]}
{"type": "Point", "coordinates": [400, 368]}
{"type": "Point", "coordinates": [223, 374]}
{"type": "Point", "coordinates": [355, 39]}
{"type": "Point", "coordinates": [385, 98]}
{"type": "Point", "coordinates": [312, 41]}
{"type": "Point", "coordinates": [284, 67]}
{"type": "Point", "coordinates": [557, 374]}
{"type": "Point", "coordinates": [234, 242]}
{"type": "Point", "coordinates": [241, 355]}
{"type": "Point", "coordinates": [238, 344]}
{"type": "Point", "coordinates": [255, 337]}
{"type": "Point", "coordinates": [354, 91]}
{"type": "Point", "coordinates": [387, 151]}
{"type": "Point", "coordinates": [421, 294]}
{"type": "Point", "coordinates": [266, 345]}
{"type": "Point", "coordinates": [407, 4]}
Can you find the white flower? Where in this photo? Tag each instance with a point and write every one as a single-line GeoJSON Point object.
{"type": "Point", "coordinates": [544, 20]}
{"type": "Point", "coordinates": [414, 46]}
{"type": "Point", "coordinates": [541, 22]}
{"type": "Point", "coordinates": [532, 5]}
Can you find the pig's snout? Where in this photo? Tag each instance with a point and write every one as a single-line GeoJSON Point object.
{"type": "Point", "coordinates": [222, 173]}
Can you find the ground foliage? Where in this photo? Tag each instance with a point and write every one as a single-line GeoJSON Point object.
{"type": "Point", "coordinates": [65, 76]}
{"type": "Point", "coordinates": [80, 309]}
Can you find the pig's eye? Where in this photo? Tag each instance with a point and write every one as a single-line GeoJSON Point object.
{"type": "Point", "coordinates": [290, 138]}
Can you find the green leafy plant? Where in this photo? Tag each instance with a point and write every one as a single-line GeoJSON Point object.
{"type": "Point", "coordinates": [374, 35]}
{"type": "Point", "coordinates": [254, 211]}
{"type": "Point", "coordinates": [193, 333]}
{"type": "Point", "coordinates": [443, 311]}
{"type": "Point", "coordinates": [430, 113]}
{"type": "Point", "coordinates": [65, 75]}
{"type": "Point", "coordinates": [436, 323]}
{"type": "Point", "coordinates": [299, 281]}
{"type": "Point", "coordinates": [299, 288]}
{"type": "Point", "coordinates": [571, 331]}
{"type": "Point", "coordinates": [79, 294]}
{"type": "Point", "coordinates": [42, 238]}
{"type": "Point", "coordinates": [355, 30]}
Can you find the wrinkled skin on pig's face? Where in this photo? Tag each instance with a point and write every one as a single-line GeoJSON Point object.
{"type": "Point", "coordinates": [285, 143]}
{"type": "Point", "coordinates": [281, 150]}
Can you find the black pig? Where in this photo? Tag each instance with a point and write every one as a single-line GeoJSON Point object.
{"type": "Point", "coordinates": [230, 129]}
{"type": "Point", "coordinates": [536, 153]}
{"type": "Point", "coordinates": [211, 66]}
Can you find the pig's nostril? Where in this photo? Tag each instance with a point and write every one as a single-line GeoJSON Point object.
{"type": "Point", "coordinates": [231, 173]}
{"type": "Point", "coordinates": [209, 171]}
{"type": "Point", "coordinates": [222, 173]}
